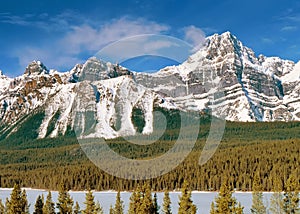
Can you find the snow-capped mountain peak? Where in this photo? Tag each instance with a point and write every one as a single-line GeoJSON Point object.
{"type": "Point", "coordinates": [36, 68]}
{"type": "Point", "coordinates": [253, 88]}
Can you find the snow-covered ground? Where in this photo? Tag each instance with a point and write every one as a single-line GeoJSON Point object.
{"type": "Point", "coordinates": [106, 198]}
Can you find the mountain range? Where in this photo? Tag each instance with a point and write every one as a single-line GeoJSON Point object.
{"type": "Point", "coordinates": [224, 77]}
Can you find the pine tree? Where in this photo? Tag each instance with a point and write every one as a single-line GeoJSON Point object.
{"type": "Point", "coordinates": [276, 206]}
{"type": "Point", "coordinates": [111, 210]}
{"type": "Point", "coordinates": [49, 206]}
{"type": "Point", "coordinates": [238, 209]}
{"type": "Point", "coordinates": [65, 202]}
{"type": "Point", "coordinates": [135, 201]}
{"type": "Point", "coordinates": [225, 203]}
{"type": "Point", "coordinates": [90, 206]}
{"type": "Point", "coordinates": [18, 201]}
{"type": "Point", "coordinates": [167, 203]}
{"type": "Point", "coordinates": [155, 205]}
{"type": "Point", "coordinates": [291, 196]}
{"type": "Point", "coordinates": [119, 207]}
{"type": "Point", "coordinates": [2, 208]}
{"type": "Point", "coordinates": [212, 208]}
{"type": "Point", "coordinates": [146, 200]}
{"type": "Point", "coordinates": [185, 202]}
{"type": "Point", "coordinates": [24, 201]}
{"type": "Point", "coordinates": [258, 206]}
{"type": "Point", "coordinates": [38, 207]}
{"type": "Point", "coordinates": [76, 208]}
{"type": "Point", "coordinates": [98, 208]}
{"type": "Point", "coordinates": [7, 206]}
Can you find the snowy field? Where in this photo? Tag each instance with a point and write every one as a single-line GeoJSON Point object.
{"type": "Point", "coordinates": [106, 198]}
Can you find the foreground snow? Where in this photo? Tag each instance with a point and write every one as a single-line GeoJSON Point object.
{"type": "Point", "coordinates": [106, 198]}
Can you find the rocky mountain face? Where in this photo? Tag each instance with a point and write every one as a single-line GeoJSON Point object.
{"type": "Point", "coordinates": [223, 75]}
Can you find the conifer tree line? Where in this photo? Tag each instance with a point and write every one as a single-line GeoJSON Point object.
{"type": "Point", "coordinates": [142, 201]}
{"type": "Point", "coordinates": [273, 160]}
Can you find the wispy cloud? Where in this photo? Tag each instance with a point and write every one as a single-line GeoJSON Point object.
{"type": "Point", "coordinates": [78, 37]}
{"type": "Point", "coordinates": [266, 40]}
{"type": "Point", "coordinates": [88, 38]}
{"type": "Point", "coordinates": [289, 28]}
{"type": "Point", "coordinates": [44, 21]}
{"type": "Point", "coordinates": [85, 38]}
{"type": "Point", "coordinates": [289, 15]}
{"type": "Point", "coordinates": [195, 36]}
{"type": "Point", "coordinates": [294, 18]}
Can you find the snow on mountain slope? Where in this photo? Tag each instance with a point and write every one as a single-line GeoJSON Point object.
{"type": "Point", "coordinates": [4, 82]}
{"type": "Point", "coordinates": [224, 75]}
{"type": "Point", "coordinates": [293, 75]}
{"type": "Point", "coordinates": [252, 86]}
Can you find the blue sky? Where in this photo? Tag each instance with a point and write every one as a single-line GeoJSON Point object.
{"type": "Point", "coordinates": [63, 33]}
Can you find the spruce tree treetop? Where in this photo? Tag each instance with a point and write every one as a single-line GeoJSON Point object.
{"type": "Point", "coordinates": [185, 202]}
{"type": "Point", "coordinates": [17, 202]}
{"type": "Point", "coordinates": [119, 206]}
{"type": "Point", "coordinates": [39, 204]}
{"type": "Point", "coordinates": [258, 206]}
{"type": "Point", "coordinates": [65, 202]}
{"type": "Point", "coordinates": [76, 208]}
{"type": "Point", "coordinates": [291, 195]}
{"type": "Point", "coordinates": [155, 205]}
{"type": "Point", "coordinates": [167, 203]}
{"type": "Point", "coordinates": [49, 206]}
{"type": "Point", "coordinates": [2, 208]}
{"type": "Point", "coordinates": [90, 205]}
{"type": "Point", "coordinates": [225, 203]}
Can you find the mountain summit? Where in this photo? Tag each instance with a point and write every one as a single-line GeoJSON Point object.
{"type": "Point", "coordinates": [253, 88]}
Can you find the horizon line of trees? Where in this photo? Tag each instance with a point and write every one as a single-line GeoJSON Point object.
{"type": "Point", "coordinates": [142, 201]}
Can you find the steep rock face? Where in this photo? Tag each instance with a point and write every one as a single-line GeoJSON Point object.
{"type": "Point", "coordinates": [251, 87]}
{"type": "Point", "coordinates": [94, 69]}
{"type": "Point", "coordinates": [36, 68]}
{"type": "Point", "coordinates": [224, 76]}
{"type": "Point", "coordinates": [27, 92]}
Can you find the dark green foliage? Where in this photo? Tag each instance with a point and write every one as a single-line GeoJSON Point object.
{"type": "Point", "coordinates": [185, 202]}
{"type": "Point", "coordinates": [119, 205]}
{"type": "Point", "coordinates": [76, 208]}
{"type": "Point", "coordinates": [225, 203]}
{"type": "Point", "coordinates": [27, 129]}
{"type": "Point", "coordinates": [245, 148]}
{"type": "Point", "coordinates": [276, 201]}
{"type": "Point", "coordinates": [155, 205]}
{"type": "Point", "coordinates": [135, 201]}
{"type": "Point", "coordinates": [167, 203]}
{"type": "Point", "coordinates": [138, 119]}
{"type": "Point", "coordinates": [141, 201]}
{"type": "Point", "coordinates": [291, 195]}
{"type": "Point", "coordinates": [17, 204]}
{"type": "Point", "coordinates": [98, 208]}
{"type": "Point", "coordinates": [258, 206]}
{"type": "Point", "coordinates": [2, 208]}
{"type": "Point", "coordinates": [65, 202]}
{"type": "Point", "coordinates": [52, 123]}
{"type": "Point", "coordinates": [25, 202]}
{"type": "Point", "coordinates": [49, 206]}
{"type": "Point", "coordinates": [90, 206]}
{"type": "Point", "coordinates": [38, 207]}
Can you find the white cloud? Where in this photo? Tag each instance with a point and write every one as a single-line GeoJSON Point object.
{"type": "Point", "coordinates": [146, 44]}
{"type": "Point", "coordinates": [79, 37]}
{"type": "Point", "coordinates": [195, 36]}
{"type": "Point", "coordinates": [86, 39]}
{"type": "Point", "coordinates": [289, 28]}
{"type": "Point", "coordinates": [267, 40]}
{"type": "Point", "coordinates": [44, 21]}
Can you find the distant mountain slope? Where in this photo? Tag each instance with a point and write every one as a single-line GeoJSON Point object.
{"type": "Point", "coordinates": [253, 88]}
